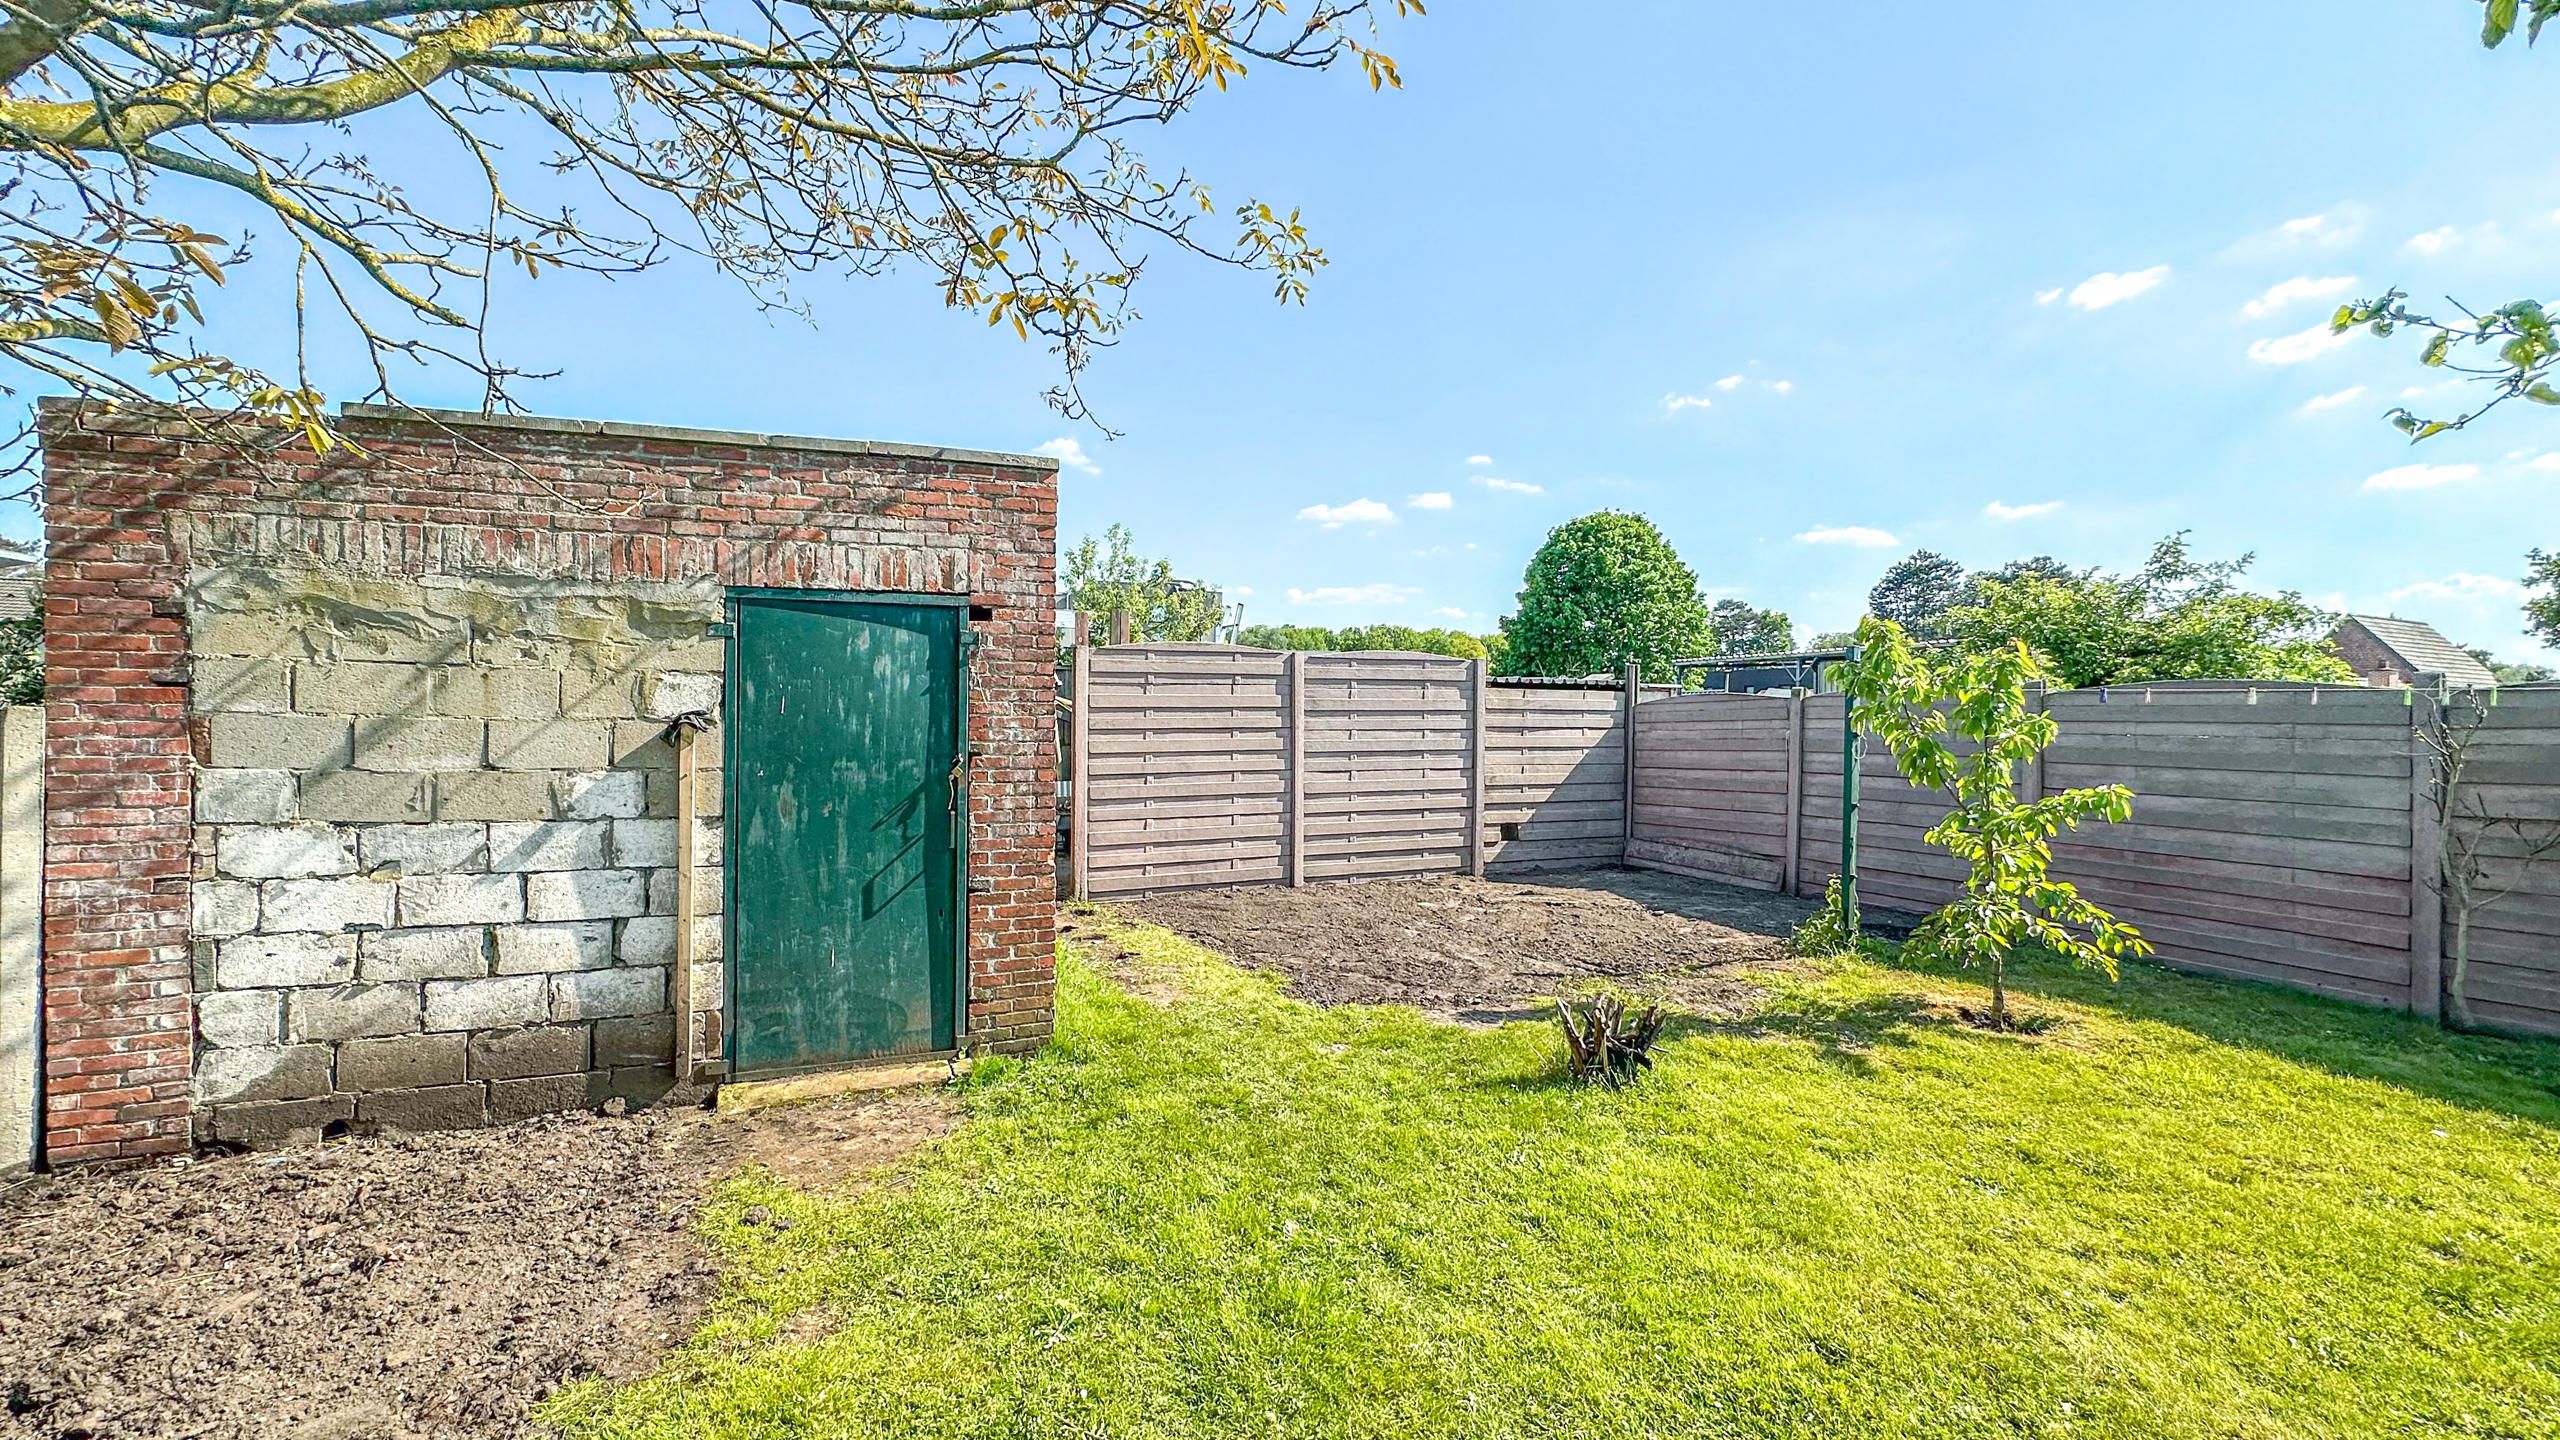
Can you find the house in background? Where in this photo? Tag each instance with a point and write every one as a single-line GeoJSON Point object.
{"type": "Point", "coordinates": [2387, 651]}
{"type": "Point", "coordinates": [18, 590]}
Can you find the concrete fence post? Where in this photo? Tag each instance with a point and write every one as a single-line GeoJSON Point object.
{"type": "Point", "coordinates": [21, 930]}
{"type": "Point", "coordinates": [1079, 764]}
{"type": "Point", "coordinates": [1294, 806]}
{"type": "Point", "coordinates": [1630, 695]}
{"type": "Point", "coordinates": [1475, 766]}
{"type": "Point", "coordinates": [2426, 867]}
{"type": "Point", "coordinates": [1793, 861]}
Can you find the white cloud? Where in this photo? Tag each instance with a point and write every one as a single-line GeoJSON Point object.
{"type": "Point", "coordinates": [2047, 297]}
{"type": "Point", "coordinates": [1730, 382]}
{"type": "Point", "coordinates": [2305, 225]}
{"type": "Point", "coordinates": [1363, 511]}
{"type": "Point", "coordinates": [1241, 592]}
{"type": "Point", "coordinates": [1378, 594]}
{"type": "Point", "coordinates": [2005, 513]}
{"type": "Point", "coordinates": [2296, 290]}
{"type": "Point", "coordinates": [1452, 611]}
{"type": "Point", "coordinates": [1510, 487]}
{"type": "Point", "coordinates": [2436, 241]}
{"type": "Point", "coordinates": [2462, 585]}
{"type": "Point", "coordinates": [1068, 451]}
{"type": "Point", "coordinates": [1430, 500]}
{"type": "Point", "coordinates": [1782, 386]}
{"type": "Point", "coordinates": [1674, 404]}
{"type": "Point", "coordinates": [1865, 537]}
{"type": "Point", "coordinates": [2302, 345]}
{"type": "Point", "coordinates": [2420, 477]}
{"type": "Point", "coordinates": [2109, 288]}
{"type": "Point", "coordinates": [2548, 460]}
{"type": "Point", "coordinates": [2332, 400]}
{"type": "Point", "coordinates": [1479, 459]}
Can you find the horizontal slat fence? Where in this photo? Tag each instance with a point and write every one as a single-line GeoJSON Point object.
{"type": "Point", "coordinates": [1204, 765]}
{"type": "Point", "coordinates": [2277, 832]}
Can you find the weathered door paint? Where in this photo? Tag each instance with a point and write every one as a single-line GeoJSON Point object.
{"type": "Point", "coordinates": [844, 724]}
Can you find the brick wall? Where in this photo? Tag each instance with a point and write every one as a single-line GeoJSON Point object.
{"type": "Point", "coordinates": [356, 809]}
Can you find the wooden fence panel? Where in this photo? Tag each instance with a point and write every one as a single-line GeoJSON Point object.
{"type": "Point", "coordinates": [1711, 788]}
{"type": "Point", "coordinates": [1555, 777]}
{"type": "Point", "coordinates": [1184, 780]}
{"type": "Point", "coordinates": [2512, 786]}
{"type": "Point", "coordinates": [1388, 752]}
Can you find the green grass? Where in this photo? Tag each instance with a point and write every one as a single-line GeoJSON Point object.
{"type": "Point", "coordinates": [2189, 1209]}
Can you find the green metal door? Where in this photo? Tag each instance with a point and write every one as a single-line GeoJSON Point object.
{"type": "Point", "coordinates": [844, 737]}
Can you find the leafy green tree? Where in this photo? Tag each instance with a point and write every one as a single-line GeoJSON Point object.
{"type": "Point", "coordinates": [1099, 578]}
{"type": "Point", "coordinates": [1742, 629]}
{"type": "Point", "coordinates": [22, 660]}
{"type": "Point", "coordinates": [1365, 637]}
{"type": "Point", "coordinates": [1832, 640]}
{"type": "Point", "coordinates": [1917, 590]}
{"type": "Point", "coordinates": [2176, 618]}
{"type": "Point", "coordinates": [1604, 590]}
{"type": "Point", "coordinates": [2542, 602]}
{"type": "Point", "coordinates": [1288, 637]}
{"type": "Point", "coordinates": [2510, 352]}
{"type": "Point", "coordinates": [1909, 700]}
{"type": "Point", "coordinates": [2516, 672]}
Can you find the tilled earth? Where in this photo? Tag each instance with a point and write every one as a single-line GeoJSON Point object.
{"type": "Point", "coordinates": [1485, 950]}
{"type": "Point", "coordinates": [426, 1286]}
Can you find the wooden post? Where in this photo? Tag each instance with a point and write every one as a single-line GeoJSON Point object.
{"type": "Point", "coordinates": [1081, 632]}
{"type": "Point", "coordinates": [1630, 694]}
{"type": "Point", "coordinates": [681, 982]}
{"type": "Point", "coordinates": [1476, 710]}
{"type": "Point", "coordinates": [1119, 627]}
{"type": "Point", "coordinates": [1794, 859]}
{"type": "Point", "coordinates": [1079, 783]}
{"type": "Point", "coordinates": [1850, 752]}
{"type": "Point", "coordinates": [1293, 808]}
{"type": "Point", "coordinates": [2426, 870]}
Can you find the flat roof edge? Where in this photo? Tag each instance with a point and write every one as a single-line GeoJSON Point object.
{"type": "Point", "coordinates": [630, 430]}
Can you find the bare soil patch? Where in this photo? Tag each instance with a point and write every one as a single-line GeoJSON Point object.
{"type": "Point", "coordinates": [431, 1285]}
{"type": "Point", "coordinates": [1486, 951]}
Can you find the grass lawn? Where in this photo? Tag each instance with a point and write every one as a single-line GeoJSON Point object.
{"type": "Point", "coordinates": [2189, 1209]}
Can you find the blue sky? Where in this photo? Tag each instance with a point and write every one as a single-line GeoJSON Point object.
{"type": "Point", "coordinates": [1808, 286]}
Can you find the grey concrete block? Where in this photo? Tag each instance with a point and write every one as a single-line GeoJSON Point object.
{"type": "Point", "coordinates": [497, 694]}
{"type": "Point", "coordinates": [710, 984]}
{"type": "Point", "coordinates": [708, 891]}
{"type": "Point", "coordinates": [446, 953]}
{"type": "Point", "coordinates": [487, 1004]}
{"type": "Point", "coordinates": [257, 685]}
{"type": "Point", "coordinates": [364, 795]}
{"type": "Point", "coordinates": [362, 687]}
{"type": "Point", "coordinates": [431, 1107]}
{"type": "Point", "coordinates": [532, 1050]}
{"type": "Point", "coordinates": [493, 795]}
{"type": "Point", "coordinates": [262, 1072]}
{"type": "Point", "coordinates": [513, 1100]}
{"type": "Point", "coordinates": [352, 902]}
{"type": "Point", "coordinates": [599, 694]}
{"type": "Point", "coordinates": [280, 742]}
{"type": "Point", "coordinates": [435, 849]}
{"type": "Point", "coordinates": [602, 994]}
{"type": "Point", "coordinates": [221, 908]}
{"type": "Point", "coordinates": [461, 899]}
{"type": "Point", "coordinates": [651, 939]}
{"type": "Point", "coordinates": [602, 794]}
{"type": "Point", "coordinates": [240, 1017]}
{"type": "Point", "coordinates": [708, 655]}
{"type": "Point", "coordinates": [550, 744]}
{"type": "Point", "coordinates": [272, 1123]}
{"type": "Point", "coordinates": [642, 745]}
{"type": "Point", "coordinates": [412, 639]}
{"type": "Point", "coordinates": [635, 1040]}
{"type": "Point", "coordinates": [414, 743]}
{"type": "Point", "coordinates": [245, 797]}
{"type": "Point", "coordinates": [642, 1085]}
{"type": "Point", "coordinates": [277, 852]}
{"type": "Point", "coordinates": [403, 1062]}
{"type": "Point", "coordinates": [350, 1012]}
{"type": "Point", "coordinates": [548, 845]}
{"type": "Point", "coordinates": [585, 894]}
{"type": "Point", "coordinates": [544, 949]}
{"type": "Point", "coordinates": [653, 842]}
{"type": "Point", "coordinates": [261, 632]}
{"type": "Point", "coordinates": [672, 694]}
{"type": "Point", "coordinates": [710, 786]}
{"type": "Point", "coordinates": [255, 962]}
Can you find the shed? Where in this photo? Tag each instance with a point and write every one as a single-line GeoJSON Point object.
{"type": "Point", "coordinates": [2387, 651]}
{"type": "Point", "coordinates": [364, 769]}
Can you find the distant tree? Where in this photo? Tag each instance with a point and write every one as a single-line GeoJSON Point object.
{"type": "Point", "coordinates": [2542, 602]}
{"type": "Point", "coordinates": [2510, 672]}
{"type": "Point", "coordinates": [1100, 578]}
{"type": "Point", "coordinates": [1832, 640]}
{"type": "Point", "coordinates": [1921, 587]}
{"type": "Point", "coordinates": [2036, 567]}
{"type": "Point", "coordinates": [1909, 699]}
{"type": "Point", "coordinates": [1287, 637]}
{"type": "Point", "coordinates": [1742, 629]}
{"type": "Point", "coordinates": [1604, 590]}
{"type": "Point", "coordinates": [1496, 645]}
{"type": "Point", "coordinates": [2176, 618]}
{"type": "Point", "coordinates": [22, 659]}
{"type": "Point", "coordinates": [1365, 637]}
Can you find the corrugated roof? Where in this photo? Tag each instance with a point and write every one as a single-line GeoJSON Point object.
{"type": "Point", "coordinates": [2426, 650]}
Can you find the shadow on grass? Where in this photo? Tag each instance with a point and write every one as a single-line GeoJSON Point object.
{"type": "Point", "coordinates": [1844, 1035]}
{"type": "Point", "coordinates": [2516, 1077]}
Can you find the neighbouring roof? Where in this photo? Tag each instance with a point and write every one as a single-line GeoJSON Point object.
{"type": "Point", "coordinates": [2424, 649]}
{"type": "Point", "coordinates": [18, 591]}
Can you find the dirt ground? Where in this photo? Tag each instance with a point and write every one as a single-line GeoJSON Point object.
{"type": "Point", "coordinates": [1484, 951]}
{"type": "Point", "coordinates": [428, 1286]}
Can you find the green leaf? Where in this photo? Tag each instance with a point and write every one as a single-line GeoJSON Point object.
{"type": "Point", "coordinates": [2498, 23]}
{"type": "Point", "coordinates": [2436, 349]}
{"type": "Point", "coordinates": [2543, 394]}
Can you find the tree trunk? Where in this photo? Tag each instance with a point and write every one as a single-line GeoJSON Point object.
{"type": "Point", "coordinates": [1999, 996]}
{"type": "Point", "coordinates": [2457, 976]}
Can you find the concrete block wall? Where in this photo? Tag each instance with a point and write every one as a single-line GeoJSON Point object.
{"type": "Point", "coordinates": [179, 546]}
{"type": "Point", "coordinates": [437, 855]}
